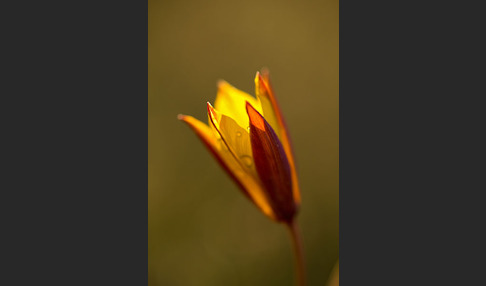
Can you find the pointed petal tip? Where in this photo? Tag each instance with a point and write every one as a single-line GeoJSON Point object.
{"type": "Point", "coordinates": [209, 106]}
{"type": "Point", "coordinates": [181, 116]}
{"type": "Point", "coordinates": [224, 87]}
{"type": "Point", "coordinates": [221, 83]}
{"type": "Point", "coordinates": [211, 112]}
{"type": "Point", "coordinates": [259, 81]}
{"type": "Point", "coordinates": [261, 86]}
{"type": "Point", "coordinates": [262, 75]}
{"type": "Point", "coordinates": [248, 105]}
{"type": "Point", "coordinates": [256, 119]}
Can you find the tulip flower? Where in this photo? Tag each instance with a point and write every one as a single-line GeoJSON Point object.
{"type": "Point", "coordinates": [249, 139]}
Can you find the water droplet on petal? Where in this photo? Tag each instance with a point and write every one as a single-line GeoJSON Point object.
{"type": "Point", "coordinates": [247, 160]}
{"type": "Point", "coordinates": [238, 133]}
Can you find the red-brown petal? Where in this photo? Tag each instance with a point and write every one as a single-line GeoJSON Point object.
{"type": "Point", "coordinates": [272, 165]}
{"type": "Point", "coordinates": [267, 90]}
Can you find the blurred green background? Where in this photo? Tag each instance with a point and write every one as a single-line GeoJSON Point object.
{"type": "Point", "coordinates": [202, 230]}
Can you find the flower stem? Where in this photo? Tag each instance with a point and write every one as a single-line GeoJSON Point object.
{"type": "Point", "coordinates": [294, 231]}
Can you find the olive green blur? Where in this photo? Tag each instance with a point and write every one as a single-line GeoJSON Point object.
{"type": "Point", "coordinates": [201, 229]}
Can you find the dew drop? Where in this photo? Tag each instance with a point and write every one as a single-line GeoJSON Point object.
{"type": "Point", "coordinates": [238, 133]}
{"type": "Point", "coordinates": [247, 160]}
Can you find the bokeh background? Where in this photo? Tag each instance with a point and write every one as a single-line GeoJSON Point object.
{"type": "Point", "coordinates": [202, 230]}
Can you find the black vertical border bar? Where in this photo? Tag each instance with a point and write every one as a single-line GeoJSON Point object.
{"type": "Point", "coordinates": [74, 195]}
{"type": "Point", "coordinates": [114, 225]}
{"type": "Point", "coordinates": [377, 141]}
{"type": "Point", "coordinates": [124, 228]}
{"type": "Point", "coordinates": [411, 206]}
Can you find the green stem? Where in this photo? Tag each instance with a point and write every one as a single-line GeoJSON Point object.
{"type": "Point", "coordinates": [298, 251]}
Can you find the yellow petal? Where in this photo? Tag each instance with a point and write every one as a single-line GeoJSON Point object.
{"type": "Point", "coordinates": [236, 137]}
{"type": "Point", "coordinates": [267, 106]}
{"type": "Point", "coordinates": [272, 113]}
{"type": "Point", "coordinates": [250, 187]}
{"type": "Point", "coordinates": [231, 102]}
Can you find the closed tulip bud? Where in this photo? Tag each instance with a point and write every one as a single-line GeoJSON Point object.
{"type": "Point", "coordinates": [248, 137]}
